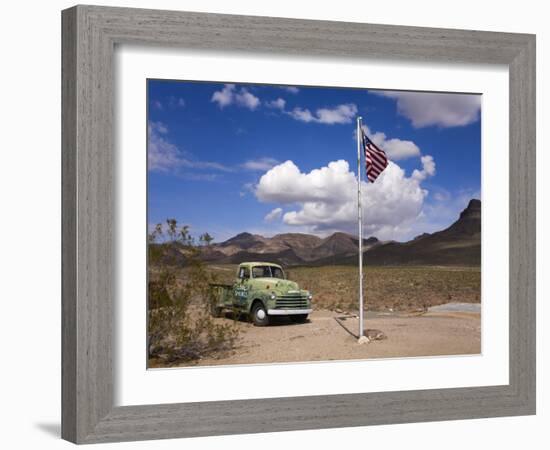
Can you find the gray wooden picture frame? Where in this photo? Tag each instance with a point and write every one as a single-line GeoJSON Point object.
{"type": "Point", "coordinates": [90, 34]}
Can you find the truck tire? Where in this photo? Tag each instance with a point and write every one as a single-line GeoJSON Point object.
{"type": "Point", "coordinates": [299, 318]}
{"type": "Point", "coordinates": [259, 315]}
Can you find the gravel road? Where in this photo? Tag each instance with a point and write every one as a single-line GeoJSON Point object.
{"type": "Point", "coordinates": [443, 331]}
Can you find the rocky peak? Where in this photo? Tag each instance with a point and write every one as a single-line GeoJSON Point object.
{"type": "Point", "coordinates": [473, 210]}
{"type": "Point", "coordinates": [243, 239]}
{"type": "Point", "coordinates": [469, 222]}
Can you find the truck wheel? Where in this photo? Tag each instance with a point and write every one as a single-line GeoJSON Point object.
{"type": "Point", "coordinates": [259, 315]}
{"type": "Point", "coordinates": [299, 318]}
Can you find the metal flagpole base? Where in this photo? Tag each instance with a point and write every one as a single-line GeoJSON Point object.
{"type": "Point", "coordinates": [363, 340]}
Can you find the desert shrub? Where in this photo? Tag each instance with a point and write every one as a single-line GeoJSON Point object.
{"type": "Point", "coordinates": [180, 327]}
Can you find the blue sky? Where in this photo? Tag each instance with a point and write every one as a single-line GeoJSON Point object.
{"type": "Point", "coordinates": [227, 158]}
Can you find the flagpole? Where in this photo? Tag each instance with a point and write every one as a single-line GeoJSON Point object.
{"type": "Point", "coordinates": [360, 220]}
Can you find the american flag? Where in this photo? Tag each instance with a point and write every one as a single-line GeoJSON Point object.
{"type": "Point", "coordinates": [375, 159]}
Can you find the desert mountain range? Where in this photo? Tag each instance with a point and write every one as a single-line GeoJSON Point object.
{"type": "Point", "coordinates": [459, 244]}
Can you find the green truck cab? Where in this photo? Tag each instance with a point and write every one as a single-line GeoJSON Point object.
{"type": "Point", "coordinates": [261, 290]}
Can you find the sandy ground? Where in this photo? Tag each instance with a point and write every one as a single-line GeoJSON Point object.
{"type": "Point", "coordinates": [444, 330]}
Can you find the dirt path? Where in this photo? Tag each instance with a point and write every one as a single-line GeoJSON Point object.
{"type": "Point", "coordinates": [444, 332]}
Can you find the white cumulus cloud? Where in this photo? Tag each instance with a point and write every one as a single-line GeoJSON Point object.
{"type": "Point", "coordinates": [441, 109]}
{"type": "Point", "coordinates": [325, 199]}
{"type": "Point", "coordinates": [428, 168]}
{"type": "Point", "coordinates": [285, 183]}
{"type": "Point", "coordinates": [337, 115]}
{"type": "Point", "coordinates": [277, 104]}
{"type": "Point", "coordinates": [225, 96]}
{"type": "Point", "coordinates": [230, 95]}
{"type": "Point", "coordinates": [396, 149]}
{"type": "Point", "coordinates": [247, 99]}
{"type": "Point", "coordinates": [291, 89]}
{"type": "Point", "coordinates": [274, 215]}
{"type": "Point", "coordinates": [303, 115]}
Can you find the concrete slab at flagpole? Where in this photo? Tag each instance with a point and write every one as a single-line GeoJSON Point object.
{"type": "Point", "coordinates": [456, 307]}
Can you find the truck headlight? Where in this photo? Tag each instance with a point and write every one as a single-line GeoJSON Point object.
{"type": "Point", "coordinates": [273, 296]}
{"type": "Point", "coordinates": [309, 297]}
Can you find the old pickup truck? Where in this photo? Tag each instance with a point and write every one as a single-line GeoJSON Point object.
{"type": "Point", "coordinates": [261, 291]}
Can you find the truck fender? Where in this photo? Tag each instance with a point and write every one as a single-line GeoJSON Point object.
{"type": "Point", "coordinates": [256, 300]}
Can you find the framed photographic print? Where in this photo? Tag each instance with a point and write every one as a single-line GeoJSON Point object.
{"type": "Point", "coordinates": [285, 251]}
{"type": "Point", "coordinates": [255, 208]}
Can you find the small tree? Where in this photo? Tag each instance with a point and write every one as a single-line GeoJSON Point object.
{"type": "Point", "coordinates": [156, 234]}
{"type": "Point", "coordinates": [205, 239]}
{"type": "Point", "coordinates": [172, 229]}
{"type": "Point", "coordinates": [184, 236]}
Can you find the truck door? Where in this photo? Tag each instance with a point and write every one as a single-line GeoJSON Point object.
{"type": "Point", "coordinates": [241, 287]}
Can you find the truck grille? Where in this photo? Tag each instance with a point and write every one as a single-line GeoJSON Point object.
{"type": "Point", "coordinates": [291, 301]}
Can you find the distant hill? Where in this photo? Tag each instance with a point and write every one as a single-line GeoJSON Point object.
{"type": "Point", "coordinates": [287, 248]}
{"type": "Point", "coordinates": [459, 244]}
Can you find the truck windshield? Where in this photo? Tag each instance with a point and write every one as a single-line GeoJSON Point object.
{"type": "Point", "coordinates": [267, 272]}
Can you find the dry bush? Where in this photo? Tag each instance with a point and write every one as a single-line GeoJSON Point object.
{"type": "Point", "coordinates": [180, 327]}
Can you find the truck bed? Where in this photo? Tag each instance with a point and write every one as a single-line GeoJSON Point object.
{"type": "Point", "coordinates": [223, 293]}
{"type": "Point", "coordinates": [222, 285]}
